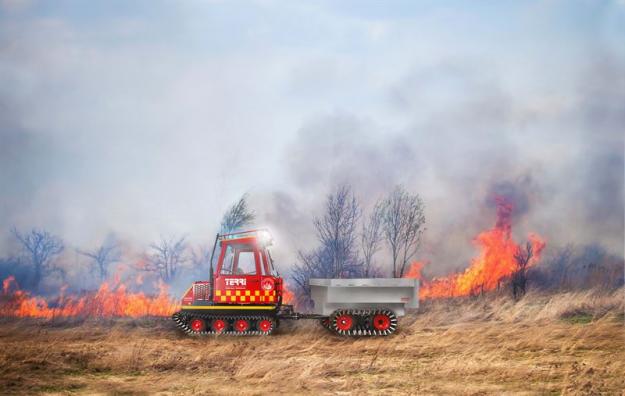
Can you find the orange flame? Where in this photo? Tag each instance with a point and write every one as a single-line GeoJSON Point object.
{"type": "Point", "coordinates": [414, 272]}
{"type": "Point", "coordinates": [110, 300]}
{"type": "Point", "coordinates": [6, 284]}
{"type": "Point", "coordinates": [494, 263]}
{"type": "Point", "coordinates": [287, 295]}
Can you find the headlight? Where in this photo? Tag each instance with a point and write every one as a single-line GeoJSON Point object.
{"type": "Point", "coordinates": [265, 238]}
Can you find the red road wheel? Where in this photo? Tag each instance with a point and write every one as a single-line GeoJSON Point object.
{"type": "Point", "coordinates": [265, 325]}
{"type": "Point", "coordinates": [241, 325]}
{"type": "Point", "coordinates": [218, 325]}
{"type": "Point", "coordinates": [381, 322]}
{"type": "Point", "coordinates": [197, 325]}
{"type": "Point", "coordinates": [344, 322]}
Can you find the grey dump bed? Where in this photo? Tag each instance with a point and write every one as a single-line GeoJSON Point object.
{"type": "Point", "coordinates": [397, 294]}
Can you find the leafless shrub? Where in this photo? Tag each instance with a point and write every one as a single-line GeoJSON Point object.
{"type": "Point", "coordinates": [522, 258]}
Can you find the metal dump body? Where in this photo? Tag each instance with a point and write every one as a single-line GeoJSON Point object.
{"type": "Point", "coordinates": [397, 294]}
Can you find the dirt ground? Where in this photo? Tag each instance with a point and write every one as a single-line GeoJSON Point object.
{"type": "Point", "coordinates": [565, 344]}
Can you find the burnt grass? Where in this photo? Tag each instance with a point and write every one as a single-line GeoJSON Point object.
{"type": "Point", "coordinates": [569, 343]}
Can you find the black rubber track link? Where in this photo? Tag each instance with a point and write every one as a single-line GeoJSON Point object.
{"type": "Point", "coordinates": [362, 324]}
{"type": "Point", "coordinates": [182, 320]}
{"type": "Point", "coordinates": [325, 323]}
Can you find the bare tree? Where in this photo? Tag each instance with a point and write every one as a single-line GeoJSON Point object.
{"type": "Point", "coordinates": [393, 224]}
{"type": "Point", "coordinates": [41, 248]}
{"type": "Point", "coordinates": [102, 257]}
{"type": "Point", "coordinates": [403, 224]}
{"type": "Point", "coordinates": [336, 229]}
{"type": "Point", "coordinates": [371, 236]}
{"type": "Point", "coordinates": [522, 257]}
{"type": "Point", "coordinates": [414, 228]}
{"type": "Point", "coordinates": [336, 256]}
{"type": "Point", "coordinates": [166, 258]}
{"type": "Point", "coordinates": [237, 216]}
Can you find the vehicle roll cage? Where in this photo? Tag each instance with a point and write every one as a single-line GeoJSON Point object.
{"type": "Point", "coordinates": [262, 236]}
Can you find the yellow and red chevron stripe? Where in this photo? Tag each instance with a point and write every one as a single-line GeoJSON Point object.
{"type": "Point", "coordinates": [245, 296]}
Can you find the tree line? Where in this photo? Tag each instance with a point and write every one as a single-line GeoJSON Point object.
{"type": "Point", "coordinates": [351, 242]}
{"type": "Point", "coordinates": [166, 258]}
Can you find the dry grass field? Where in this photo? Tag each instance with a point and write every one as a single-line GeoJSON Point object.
{"type": "Point", "coordinates": [558, 344]}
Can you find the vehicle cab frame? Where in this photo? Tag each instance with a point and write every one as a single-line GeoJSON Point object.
{"type": "Point", "coordinates": [244, 273]}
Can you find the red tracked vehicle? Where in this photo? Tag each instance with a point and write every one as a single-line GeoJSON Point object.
{"type": "Point", "coordinates": [244, 295]}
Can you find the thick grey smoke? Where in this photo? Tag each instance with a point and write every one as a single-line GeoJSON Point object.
{"type": "Point", "coordinates": [151, 120]}
{"type": "Point", "coordinates": [562, 167]}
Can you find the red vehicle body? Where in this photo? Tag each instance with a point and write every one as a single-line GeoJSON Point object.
{"type": "Point", "coordinates": [244, 294]}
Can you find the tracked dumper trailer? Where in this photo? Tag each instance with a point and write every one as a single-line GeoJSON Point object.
{"type": "Point", "coordinates": [244, 296]}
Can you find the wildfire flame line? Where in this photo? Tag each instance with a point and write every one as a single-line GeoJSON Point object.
{"type": "Point", "coordinates": [494, 264]}
{"type": "Point", "coordinates": [110, 300]}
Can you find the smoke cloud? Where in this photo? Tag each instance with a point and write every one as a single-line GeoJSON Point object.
{"type": "Point", "coordinates": [564, 177]}
{"type": "Point", "coordinates": [150, 120]}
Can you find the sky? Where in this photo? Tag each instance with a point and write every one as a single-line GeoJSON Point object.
{"type": "Point", "coordinates": [149, 118]}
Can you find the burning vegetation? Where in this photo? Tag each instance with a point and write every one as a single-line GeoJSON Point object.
{"type": "Point", "coordinates": [349, 243]}
{"type": "Point", "coordinates": [110, 300]}
{"type": "Point", "coordinates": [500, 260]}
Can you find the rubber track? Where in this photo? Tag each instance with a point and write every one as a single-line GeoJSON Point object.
{"type": "Point", "coordinates": [363, 325]}
{"type": "Point", "coordinates": [325, 323]}
{"type": "Point", "coordinates": [182, 319]}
